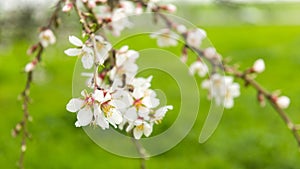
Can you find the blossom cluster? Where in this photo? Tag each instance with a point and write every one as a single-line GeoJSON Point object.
{"type": "Point", "coordinates": [221, 88]}
{"type": "Point", "coordinates": [117, 97]}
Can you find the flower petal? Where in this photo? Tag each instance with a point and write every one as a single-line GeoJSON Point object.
{"type": "Point", "coordinates": [74, 105]}
{"type": "Point", "coordinates": [85, 116]}
{"type": "Point", "coordinates": [137, 133]}
{"type": "Point", "coordinates": [99, 95]}
{"type": "Point", "coordinates": [131, 114]}
{"type": "Point", "coordinates": [100, 118]}
{"type": "Point", "coordinates": [147, 129]}
{"type": "Point", "coordinates": [75, 41]}
{"type": "Point", "coordinates": [73, 52]}
{"type": "Point", "coordinates": [87, 61]}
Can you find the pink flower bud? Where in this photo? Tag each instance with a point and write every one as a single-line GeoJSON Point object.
{"type": "Point", "coordinates": [30, 66]}
{"type": "Point", "coordinates": [183, 58]}
{"type": "Point", "coordinates": [171, 8]}
{"type": "Point", "coordinates": [138, 9]}
{"type": "Point", "coordinates": [67, 7]}
{"type": "Point", "coordinates": [92, 4]}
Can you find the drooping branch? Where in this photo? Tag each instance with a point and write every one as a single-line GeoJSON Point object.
{"type": "Point", "coordinates": [22, 126]}
{"type": "Point", "coordinates": [219, 64]}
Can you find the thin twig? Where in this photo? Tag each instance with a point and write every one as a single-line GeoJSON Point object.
{"type": "Point", "coordinates": [269, 96]}
{"type": "Point", "coordinates": [22, 125]}
{"type": "Point", "coordinates": [244, 76]}
{"type": "Point", "coordinates": [142, 152]}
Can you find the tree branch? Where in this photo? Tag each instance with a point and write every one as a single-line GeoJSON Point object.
{"type": "Point", "coordinates": [21, 127]}
{"type": "Point", "coordinates": [216, 64]}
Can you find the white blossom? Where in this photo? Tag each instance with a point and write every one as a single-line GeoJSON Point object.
{"type": "Point", "coordinates": [102, 48]}
{"type": "Point", "coordinates": [83, 107]}
{"type": "Point", "coordinates": [258, 66]}
{"type": "Point", "coordinates": [160, 113]}
{"type": "Point", "coordinates": [47, 38]}
{"type": "Point", "coordinates": [142, 128]}
{"type": "Point", "coordinates": [125, 64]}
{"type": "Point", "coordinates": [119, 21]}
{"type": "Point", "coordinates": [128, 7]}
{"type": "Point", "coordinates": [107, 106]}
{"type": "Point", "coordinates": [86, 53]}
{"type": "Point", "coordinates": [283, 102]}
{"type": "Point", "coordinates": [222, 89]}
{"type": "Point", "coordinates": [198, 67]}
{"type": "Point", "coordinates": [195, 37]}
{"type": "Point", "coordinates": [165, 38]}
{"type": "Point", "coordinates": [95, 108]}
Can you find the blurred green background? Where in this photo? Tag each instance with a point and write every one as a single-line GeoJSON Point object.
{"type": "Point", "coordinates": [248, 136]}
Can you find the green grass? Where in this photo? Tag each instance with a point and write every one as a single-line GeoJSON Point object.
{"type": "Point", "coordinates": [248, 136]}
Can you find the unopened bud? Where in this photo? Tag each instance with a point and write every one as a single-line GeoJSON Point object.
{"type": "Point", "coordinates": [210, 53]}
{"type": "Point", "coordinates": [67, 7]}
{"type": "Point", "coordinates": [92, 4]}
{"type": "Point", "coordinates": [14, 133]}
{"type": "Point", "coordinates": [261, 99]}
{"type": "Point", "coordinates": [138, 9]}
{"type": "Point", "coordinates": [18, 127]}
{"type": "Point", "coordinates": [23, 148]}
{"type": "Point", "coordinates": [183, 58]}
{"type": "Point", "coordinates": [283, 102]}
{"type": "Point", "coordinates": [170, 8]}
{"type": "Point", "coordinates": [258, 66]}
{"type": "Point", "coordinates": [30, 66]}
{"type": "Point", "coordinates": [181, 29]}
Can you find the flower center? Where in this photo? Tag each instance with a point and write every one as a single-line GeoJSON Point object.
{"type": "Point", "coordinates": [106, 108]}
{"type": "Point", "coordinates": [140, 127]}
{"type": "Point", "coordinates": [138, 103]}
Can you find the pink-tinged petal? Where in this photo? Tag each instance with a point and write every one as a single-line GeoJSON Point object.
{"type": "Point", "coordinates": [87, 61]}
{"type": "Point", "coordinates": [137, 133]}
{"type": "Point", "coordinates": [85, 116]}
{"type": "Point", "coordinates": [75, 41]}
{"type": "Point", "coordinates": [73, 52]}
{"type": "Point", "coordinates": [74, 105]}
